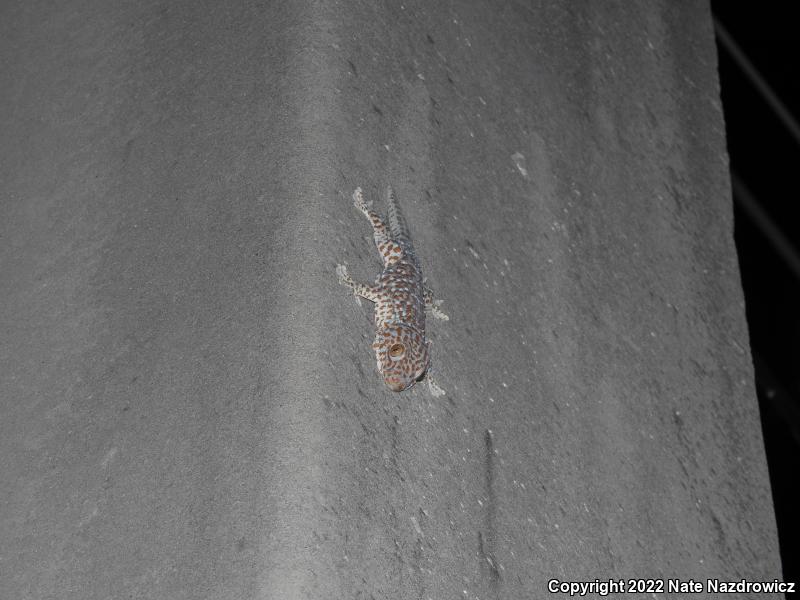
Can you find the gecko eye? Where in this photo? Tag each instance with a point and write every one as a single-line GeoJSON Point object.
{"type": "Point", "coordinates": [397, 351]}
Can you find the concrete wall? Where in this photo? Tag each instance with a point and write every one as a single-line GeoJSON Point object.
{"type": "Point", "coordinates": [188, 402]}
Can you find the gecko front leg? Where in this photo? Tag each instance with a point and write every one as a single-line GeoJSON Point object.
{"type": "Point", "coordinates": [360, 290]}
{"type": "Point", "coordinates": [432, 306]}
{"type": "Point", "coordinates": [435, 389]}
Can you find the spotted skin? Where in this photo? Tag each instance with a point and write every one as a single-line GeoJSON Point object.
{"type": "Point", "coordinates": [401, 301]}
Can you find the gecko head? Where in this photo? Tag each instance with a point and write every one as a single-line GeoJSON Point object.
{"type": "Point", "coordinates": [402, 355]}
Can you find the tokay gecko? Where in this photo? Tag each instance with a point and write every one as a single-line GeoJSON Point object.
{"type": "Point", "coordinates": [401, 300]}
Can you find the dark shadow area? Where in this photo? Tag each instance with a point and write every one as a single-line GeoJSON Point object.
{"type": "Point", "coordinates": [764, 155]}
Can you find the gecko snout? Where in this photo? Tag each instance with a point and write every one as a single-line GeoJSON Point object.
{"type": "Point", "coordinates": [395, 384]}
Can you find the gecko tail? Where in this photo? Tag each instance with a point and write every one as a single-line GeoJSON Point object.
{"type": "Point", "coordinates": [397, 223]}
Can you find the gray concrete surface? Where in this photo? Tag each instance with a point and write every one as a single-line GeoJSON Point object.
{"type": "Point", "coordinates": [188, 403]}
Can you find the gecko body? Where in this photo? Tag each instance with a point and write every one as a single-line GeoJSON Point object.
{"type": "Point", "coordinates": [401, 301]}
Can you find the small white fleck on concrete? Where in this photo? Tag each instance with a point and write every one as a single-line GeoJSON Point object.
{"type": "Point", "coordinates": [519, 161]}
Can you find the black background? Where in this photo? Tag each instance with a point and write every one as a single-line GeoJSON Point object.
{"type": "Point", "coordinates": [765, 156]}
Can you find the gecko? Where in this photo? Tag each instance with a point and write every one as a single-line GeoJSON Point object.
{"type": "Point", "coordinates": [401, 300]}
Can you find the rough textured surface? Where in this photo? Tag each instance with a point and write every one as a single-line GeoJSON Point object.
{"type": "Point", "coordinates": [185, 406]}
